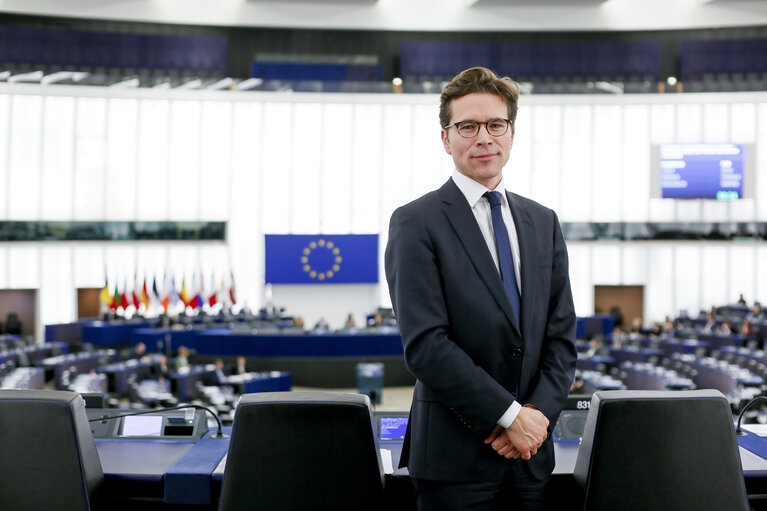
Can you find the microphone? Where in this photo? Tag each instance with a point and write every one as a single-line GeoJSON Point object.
{"type": "Point", "coordinates": [739, 431]}
{"type": "Point", "coordinates": [219, 434]}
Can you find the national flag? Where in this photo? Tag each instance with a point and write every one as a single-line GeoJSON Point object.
{"type": "Point", "coordinates": [144, 295]}
{"type": "Point", "coordinates": [116, 300]}
{"type": "Point", "coordinates": [183, 295]}
{"type": "Point", "coordinates": [231, 290]}
{"type": "Point", "coordinates": [155, 291]}
{"type": "Point", "coordinates": [105, 296]}
{"type": "Point", "coordinates": [321, 259]}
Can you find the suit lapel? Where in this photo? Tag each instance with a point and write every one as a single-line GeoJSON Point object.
{"type": "Point", "coordinates": [526, 238]}
{"type": "Point", "coordinates": [462, 219]}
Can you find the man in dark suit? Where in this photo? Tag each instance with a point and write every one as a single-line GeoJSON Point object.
{"type": "Point", "coordinates": [479, 284]}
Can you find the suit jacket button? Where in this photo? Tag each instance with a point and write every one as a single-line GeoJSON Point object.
{"type": "Point", "coordinates": [516, 353]}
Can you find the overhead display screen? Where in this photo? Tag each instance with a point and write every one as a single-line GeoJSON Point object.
{"type": "Point", "coordinates": [702, 171]}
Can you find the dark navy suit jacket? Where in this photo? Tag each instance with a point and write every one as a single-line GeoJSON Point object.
{"type": "Point", "coordinates": [460, 337]}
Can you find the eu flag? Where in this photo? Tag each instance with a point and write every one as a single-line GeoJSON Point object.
{"type": "Point", "coordinates": [321, 259]}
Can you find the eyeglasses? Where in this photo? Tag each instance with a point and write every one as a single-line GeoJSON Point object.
{"type": "Point", "coordinates": [469, 129]}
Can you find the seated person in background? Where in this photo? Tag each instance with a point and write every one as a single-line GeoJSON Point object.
{"type": "Point", "coordinates": [656, 330]}
{"type": "Point", "coordinates": [725, 328]}
{"type": "Point", "coordinates": [619, 337]}
{"type": "Point", "coordinates": [160, 371]}
{"type": "Point", "coordinates": [182, 359]}
{"type": "Point", "coordinates": [636, 325]}
{"type": "Point", "coordinates": [217, 377]}
{"type": "Point", "coordinates": [756, 312]}
{"type": "Point", "coordinates": [668, 325]}
{"type": "Point", "coordinates": [350, 323]}
{"type": "Point", "coordinates": [138, 352]}
{"type": "Point", "coordinates": [741, 300]}
{"type": "Point", "coordinates": [321, 326]}
{"type": "Point", "coordinates": [710, 324]}
{"type": "Point", "coordinates": [239, 366]}
{"type": "Point", "coordinates": [594, 347]}
{"type": "Point", "coordinates": [376, 322]}
{"type": "Point", "coordinates": [298, 322]}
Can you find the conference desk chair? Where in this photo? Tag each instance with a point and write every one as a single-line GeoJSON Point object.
{"type": "Point", "coordinates": [659, 451]}
{"type": "Point", "coordinates": [49, 460]}
{"type": "Point", "coordinates": [303, 450]}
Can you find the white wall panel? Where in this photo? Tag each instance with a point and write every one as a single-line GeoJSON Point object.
{"type": "Point", "coordinates": [57, 298]}
{"type": "Point", "coordinates": [635, 256]}
{"type": "Point", "coordinates": [581, 282]}
{"type": "Point", "coordinates": [3, 267]}
{"type": "Point", "coordinates": [89, 266]}
{"type": "Point", "coordinates": [716, 122]}
{"type": "Point", "coordinates": [153, 142]}
{"type": "Point", "coordinates": [606, 184]}
{"type": "Point", "coordinates": [90, 159]}
{"type": "Point", "coordinates": [5, 122]}
{"type": "Point", "coordinates": [367, 170]}
{"type": "Point", "coordinates": [761, 275]}
{"type": "Point", "coordinates": [663, 120]}
{"type": "Point", "coordinates": [659, 288]}
{"type": "Point", "coordinates": [636, 167]}
{"type": "Point", "coordinates": [428, 151]}
{"type": "Point", "coordinates": [742, 272]}
{"type": "Point", "coordinates": [215, 160]}
{"type": "Point", "coordinates": [518, 173]}
{"type": "Point", "coordinates": [58, 151]}
{"type": "Point", "coordinates": [308, 151]}
{"type": "Point", "coordinates": [184, 160]}
{"type": "Point", "coordinates": [336, 186]}
{"type": "Point", "coordinates": [397, 182]}
{"type": "Point", "coordinates": [715, 276]}
{"type": "Point", "coordinates": [576, 164]}
{"type": "Point", "coordinates": [24, 267]}
{"type": "Point", "coordinates": [276, 168]}
{"type": "Point", "coordinates": [760, 188]}
{"type": "Point", "coordinates": [689, 123]}
{"type": "Point", "coordinates": [25, 150]}
{"type": "Point", "coordinates": [546, 177]}
{"type": "Point", "coordinates": [687, 273]}
{"type": "Point", "coordinates": [606, 264]}
{"type": "Point", "coordinates": [742, 123]}
{"type": "Point", "coordinates": [122, 137]}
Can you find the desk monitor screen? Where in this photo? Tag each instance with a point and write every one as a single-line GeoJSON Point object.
{"type": "Point", "coordinates": [142, 425]}
{"type": "Point", "coordinates": [392, 427]}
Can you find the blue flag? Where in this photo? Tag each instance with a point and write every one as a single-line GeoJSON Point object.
{"type": "Point", "coordinates": [321, 259]}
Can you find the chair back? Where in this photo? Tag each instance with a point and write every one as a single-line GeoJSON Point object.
{"type": "Point", "coordinates": [49, 459]}
{"type": "Point", "coordinates": [303, 450]}
{"type": "Point", "coordinates": [660, 450]}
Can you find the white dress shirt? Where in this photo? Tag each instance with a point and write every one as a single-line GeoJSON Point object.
{"type": "Point", "coordinates": [480, 206]}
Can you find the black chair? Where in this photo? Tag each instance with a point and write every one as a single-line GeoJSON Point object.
{"type": "Point", "coordinates": [660, 450]}
{"type": "Point", "coordinates": [303, 450]}
{"type": "Point", "coordinates": [49, 459]}
{"type": "Point", "coordinates": [13, 324]}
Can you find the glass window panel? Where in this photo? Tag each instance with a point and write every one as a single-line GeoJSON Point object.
{"type": "Point", "coordinates": [761, 275]}
{"type": "Point", "coordinates": [743, 125]}
{"type": "Point", "coordinates": [635, 257]}
{"type": "Point", "coordinates": [546, 182]}
{"type": "Point", "coordinates": [687, 279]}
{"type": "Point", "coordinates": [607, 150]}
{"type": "Point", "coordinates": [714, 277]}
{"type": "Point", "coordinates": [58, 152]}
{"type": "Point", "coordinates": [715, 211]}
{"type": "Point", "coordinates": [90, 145]}
{"type": "Point", "coordinates": [576, 171]}
{"type": "Point", "coordinates": [121, 265]}
{"type": "Point", "coordinates": [687, 210]}
{"type": "Point", "coordinates": [122, 126]}
{"type": "Point", "coordinates": [3, 268]}
{"type": "Point", "coordinates": [24, 171]}
{"type": "Point", "coordinates": [397, 170]}
{"type": "Point", "coordinates": [716, 123]}
{"type": "Point", "coordinates": [57, 301]}
{"type": "Point", "coordinates": [152, 179]}
{"type": "Point", "coordinates": [5, 102]}
{"type": "Point", "coordinates": [246, 150]}
{"type": "Point", "coordinates": [306, 176]}
{"type": "Point", "coordinates": [184, 160]}
{"type": "Point", "coordinates": [636, 166]}
{"type": "Point", "coordinates": [742, 273]}
{"type": "Point", "coordinates": [216, 155]}
{"type": "Point", "coordinates": [366, 170]}
{"type": "Point", "coordinates": [760, 188]}
{"type": "Point", "coordinates": [24, 267]}
{"type": "Point", "coordinates": [689, 123]}
{"type": "Point", "coordinates": [336, 195]}
{"type": "Point", "coordinates": [276, 164]}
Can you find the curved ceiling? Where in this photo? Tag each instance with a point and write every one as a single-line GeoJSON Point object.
{"type": "Point", "coordinates": [417, 15]}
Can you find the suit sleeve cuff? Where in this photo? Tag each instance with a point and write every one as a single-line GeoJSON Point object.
{"type": "Point", "coordinates": [511, 414]}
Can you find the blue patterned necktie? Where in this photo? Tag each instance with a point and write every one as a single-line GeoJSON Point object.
{"type": "Point", "coordinates": [505, 258]}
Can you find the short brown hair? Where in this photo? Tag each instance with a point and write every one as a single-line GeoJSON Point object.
{"type": "Point", "coordinates": [478, 79]}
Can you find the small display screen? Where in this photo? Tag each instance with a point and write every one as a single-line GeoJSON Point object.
{"type": "Point", "coordinates": [702, 171]}
{"type": "Point", "coordinates": [142, 425]}
{"type": "Point", "coordinates": [392, 428]}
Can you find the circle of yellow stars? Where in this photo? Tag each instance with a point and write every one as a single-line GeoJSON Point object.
{"type": "Point", "coordinates": [326, 245]}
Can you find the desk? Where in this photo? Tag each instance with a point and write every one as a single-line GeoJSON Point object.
{"type": "Point", "coordinates": [100, 333]}
{"type": "Point", "coordinates": [158, 473]}
{"type": "Point", "coordinates": [81, 362]}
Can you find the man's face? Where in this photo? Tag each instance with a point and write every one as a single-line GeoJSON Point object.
{"type": "Point", "coordinates": [483, 156]}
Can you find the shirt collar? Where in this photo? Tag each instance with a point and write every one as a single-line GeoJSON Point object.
{"type": "Point", "coordinates": [474, 191]}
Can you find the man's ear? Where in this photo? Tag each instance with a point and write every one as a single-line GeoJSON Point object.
{"type": "Point", "coordinates": [445, 141]}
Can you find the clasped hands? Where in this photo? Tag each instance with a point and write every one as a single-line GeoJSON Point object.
{"type": "Point", "coordinates": [523, 438]}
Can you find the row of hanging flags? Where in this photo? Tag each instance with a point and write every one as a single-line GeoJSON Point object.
{"type": "Point", "coordinates": [164, 294]}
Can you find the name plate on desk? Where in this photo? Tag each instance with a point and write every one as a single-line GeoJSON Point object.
{"type": "Point", "coordinates": [160, 424]}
